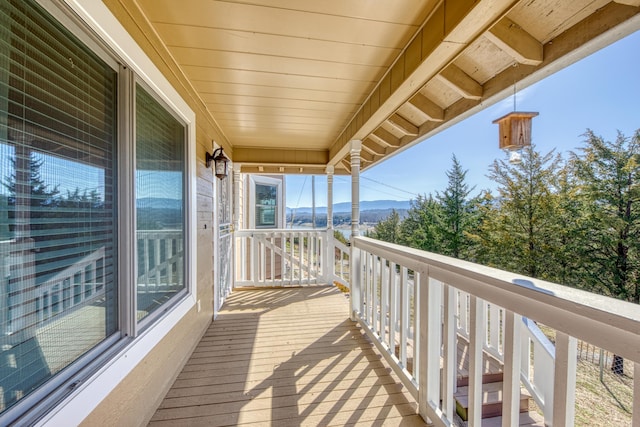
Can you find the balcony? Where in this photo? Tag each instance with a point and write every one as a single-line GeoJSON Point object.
{"type": "Point", "coordinates": [419, 337]}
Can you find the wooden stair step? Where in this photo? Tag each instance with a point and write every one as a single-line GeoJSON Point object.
{"type": "Point", "coordinates": [493, 377]}
{"type": "Point", "coordinates": [528, 419]}
{"type": "Point", "coordinates": [491, 400]}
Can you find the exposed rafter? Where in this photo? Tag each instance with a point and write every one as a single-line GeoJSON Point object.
{"type": "Point", "coordinates": [460, 82]}
{"type": "Point", "coordinates": [385, 137]}
{"type": "Point", "coordinates": [372, 145]}
{"type": "Point", "coordinates": [516, 42]}
{"type": "Point", "coordinates": [403, 125]}
{"type": "Point", "coordinates": [635, 3]}
{"type": "Point", "coordinates": [429, 108]}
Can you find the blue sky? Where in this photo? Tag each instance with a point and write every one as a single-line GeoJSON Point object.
{"type": "Point", "coordinates": [600, 92]}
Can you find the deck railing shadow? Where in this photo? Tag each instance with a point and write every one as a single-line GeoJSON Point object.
{"type": "Point", "coordinates": [286, 356]}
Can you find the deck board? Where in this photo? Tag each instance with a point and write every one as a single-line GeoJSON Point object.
{"type": "Point", "coordinates": [286, 357]}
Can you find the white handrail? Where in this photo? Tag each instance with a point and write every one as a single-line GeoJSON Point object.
{"type": "Point", "coordinates": [162, 254]}
{"type": "Point", "coordinates": [281, 257]}
{"type": "Point", "coordinates": [606, 322]}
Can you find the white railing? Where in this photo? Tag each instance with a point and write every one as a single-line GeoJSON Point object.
{"type": "Point", "coordinates": [495, 310]}
{"type": "Point", "coordinates": [81, 283]}
{"type": "Point", "coordinates": [281, 257]}
{"type": "Point", "coordinates": [161, 263]}
{"type": "Point", "coordinates": [340, 266]}
{"type": "Point", "coordinates": [538, 353]}
{"type": "Point", "coordinates": [26, 304]}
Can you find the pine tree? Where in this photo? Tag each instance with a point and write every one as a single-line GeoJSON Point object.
{"type": "Point", "coordinates": [419, 228]}
{"type": "Point", "coordinates": [457, 213]}
{"type": "Point", "coordinates": [388, 230]}
{"type": "Point", "coordinates": [608, 174]}
{"type": "Point", "coordinates": [520, 231]}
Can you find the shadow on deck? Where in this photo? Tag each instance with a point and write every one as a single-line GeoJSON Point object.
{"type": "Point", "coordinates": [287, 356]}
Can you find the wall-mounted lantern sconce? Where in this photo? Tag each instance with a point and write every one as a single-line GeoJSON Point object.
{"type": "Point", "coordinates": [220, 162]}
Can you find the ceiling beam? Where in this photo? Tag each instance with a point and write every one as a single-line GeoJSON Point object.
{"type": "Point", "coordinates": [367, 156]}
{"type": "Point", "coordinates": [372, 145]}
{"type": "Point", "coordinates": [461, 82]}
{"type": "Point", "coordinates": [346, 162]}
{"type": "Point", "coordinates": [635, 3]}
{"type": "Point", "coordinates": [385, 137]}
{"type": "Point", "coordinates": [451, 28]}
{"type": "Point", "coordinates": [280, 156]}
{"type": "Point", "coordinates": [516, 42]}
{"type": "Point", "coordinates": [428, 107]}
{"type": "Point", "coordinates": [403, 125]}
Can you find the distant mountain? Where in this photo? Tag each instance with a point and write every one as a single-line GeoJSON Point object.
{"type": "Point", "coordinates": [158, 203]}
{"type": "Point", "coordinates": [365, 205]}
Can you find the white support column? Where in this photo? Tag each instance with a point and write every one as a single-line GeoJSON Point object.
{"type": "Point", "coordinates": [236, 197]}
{"type": "Point", "coordinates": [564, 380]}
{"type": "Point", "coordinates": [354, 257]}
{"type": "Point", "coordinates": [330, 257]}
{"type": "Point", "coordinates": [330, 169]}
{"type": "Point", "coordinates": [356, 146]}
{"type": "Point", "coordinates": [237, 206]}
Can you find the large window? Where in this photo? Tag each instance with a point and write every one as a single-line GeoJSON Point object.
{"type": "Point", "coordinates": [57, 220]}
{"type": "Point", "coordinates": [160, 164]}
{"type": "Point", "coordinates": [65, 205]}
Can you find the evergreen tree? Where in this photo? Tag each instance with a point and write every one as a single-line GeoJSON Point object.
{"type": "Point", "coordinates": [419, 228]}
{"type": "Point", "coordinates": [608, 174]}
{"type": "Point", "coordinates": [521, 230]}
{"type": "Point", "coordinates": [457, 213]}
{"type": "Point", "coordinates": [565, 237]}
{"type": "Point", "coordinates": [388, 230]}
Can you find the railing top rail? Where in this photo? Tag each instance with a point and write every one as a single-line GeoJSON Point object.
{"type": "Point", "coordinates": [338, 244]}
{"type": "Point", "coordinates": [604, 321]}
{"type": "Point", "coordinates": [246, 231]}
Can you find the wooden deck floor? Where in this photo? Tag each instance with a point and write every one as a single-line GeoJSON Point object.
{"type": "Point", "coordinates": [286, 357]}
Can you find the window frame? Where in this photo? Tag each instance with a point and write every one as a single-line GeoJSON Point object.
{"type": "Point", "coordinates": [269, 181]}
{"type": "Point", "coordinates": [70, 396]}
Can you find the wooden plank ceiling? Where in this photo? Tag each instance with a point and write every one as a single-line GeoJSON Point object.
{"type": "Point", "coordinates": [291, 82]}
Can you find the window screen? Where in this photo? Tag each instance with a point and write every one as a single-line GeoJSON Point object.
{"type": "Point", "coordinates": [266, 203]}
{"type": "Point", "coordinates": [160, 201]}
{"type": "Point", "coordinates": [57, 213]}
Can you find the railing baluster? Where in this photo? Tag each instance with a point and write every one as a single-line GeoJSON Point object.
{"type": "Point", "coordinates": [168, 253]}
{"type": "Point", "coordinates": [384, 302]}
{"type": "Point", "coordinates": [157, 261]}
{"type": "Point", "coordinates": [262, 261]}
{"type": "Point", "coordinates": [368, 259]}
{"type": "Point", "coordinates": [636, 395]}
{"type": "Point", "coordinates": [450, 351]}
{"type": "Point", "coordinates": [393, 310]}
{"type": "Point", "coordinates": [433, 295]}
{"type": "Point", "coordinates": [416, 322]}
{"type": "Point", "coordinates": [511, 378]}
{"type": "Point", "coordinates": [476, 336]}
{"type": "Point", "coordinates": [309, 264]}
{"type": "Point", "coordinates": [374, 295]}
{"type": "Point", "coordinates": [564, 380]}
{"type": "Point", "coordinates": [404, 316]}
{"type": "Point", "coordinates": [272, 257]}
{"type": "Point", "coordinates": [494, 328]}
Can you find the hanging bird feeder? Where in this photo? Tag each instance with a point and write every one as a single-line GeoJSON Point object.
{"type": "Point", "coordinates": [515, 133]}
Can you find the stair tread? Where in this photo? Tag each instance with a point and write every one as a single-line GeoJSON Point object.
{"type": "Point", "coordinates": [531, 419]}
{"type": "Point", "coordinates": [491, 393]}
